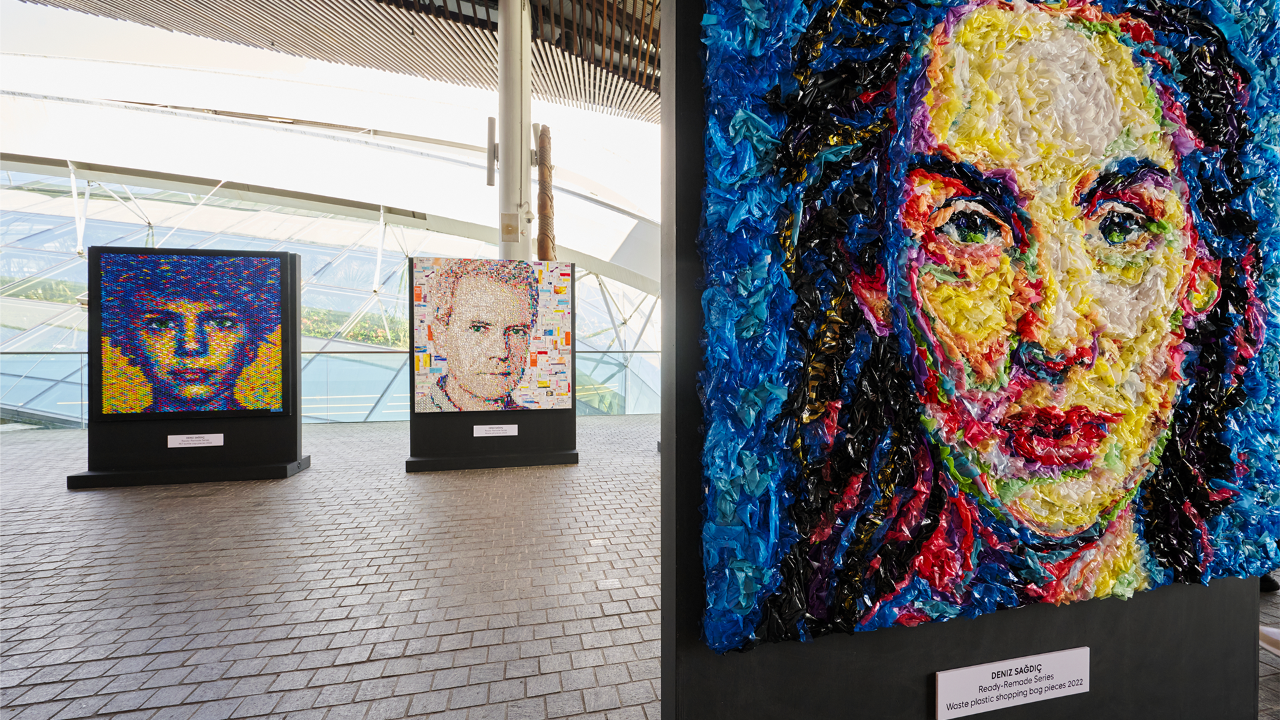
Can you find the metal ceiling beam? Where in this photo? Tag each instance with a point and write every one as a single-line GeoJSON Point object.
{"type": "Point", "coordinates": [313, 203]}
{"type": "Point", "coordinates": [594, 54]}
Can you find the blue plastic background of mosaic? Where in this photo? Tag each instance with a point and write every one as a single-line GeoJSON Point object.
{"type": "Point", "coordinates": [752, 360]}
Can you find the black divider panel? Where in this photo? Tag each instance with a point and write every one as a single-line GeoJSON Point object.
{"type": "Point", "coordinates": [135, 450]}
{"type": "Point", "coordinates": [1177, 652]}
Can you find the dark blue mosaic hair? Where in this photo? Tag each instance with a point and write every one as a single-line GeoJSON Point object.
{"type": "Point", "coordinates": [249, 285]}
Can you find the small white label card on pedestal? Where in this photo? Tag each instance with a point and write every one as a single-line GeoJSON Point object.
{"type": "Point", "coordinates": [181, 441]}
{"type": "Point", "coordinates": [980, 688]}
{"type": "Point", "coordinates": [495, 430]}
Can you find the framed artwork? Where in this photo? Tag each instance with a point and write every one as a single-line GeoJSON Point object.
{"type": "Point", "coordinates": [185, 333]}
{"type": "Point", "coordinates": [990, 307]}
{"type": "Point", "coordinates": [492, 335]}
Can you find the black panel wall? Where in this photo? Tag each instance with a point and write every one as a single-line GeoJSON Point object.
{"type": "Point", "coordinates": [1178, 652]}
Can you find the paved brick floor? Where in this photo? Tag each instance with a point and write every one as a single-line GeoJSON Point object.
{"type": "Point", "coordinates": [351, 591]}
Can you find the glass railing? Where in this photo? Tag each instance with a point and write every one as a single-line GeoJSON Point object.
{"type": "Point", "coordinates": [618, 383]}
{"type": "Point", "coordinates": [358, 386]}
{"type": "Point", "coordinates": [45, 389]}
{"type": "Point", "coordinates": [50, 389]}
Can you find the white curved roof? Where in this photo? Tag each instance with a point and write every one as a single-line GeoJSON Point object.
{"type": "Point", "coordinates": [418, 153]}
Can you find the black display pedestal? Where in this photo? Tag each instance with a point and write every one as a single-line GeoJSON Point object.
{"type": "Point", "coordinates": [135, 449]}
{"type": "Point", "coordinates": [448, 440]}
{"type": "Point", "coordinates": [1175, 652]}
{"type": "Point", "coordinates": [125, 478]}
{"type": "Point", "coordinates": [137, 452]}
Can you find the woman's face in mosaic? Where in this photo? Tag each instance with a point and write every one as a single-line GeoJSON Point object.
{"type": "Point", "coordinates": [1048, 266]}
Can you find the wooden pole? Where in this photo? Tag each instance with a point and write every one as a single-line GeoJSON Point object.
{"type": "Point", "coordinates": [546, 204]}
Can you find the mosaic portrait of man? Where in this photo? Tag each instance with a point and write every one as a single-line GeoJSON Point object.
{"type": "Point", "coordinates": [491, 335]}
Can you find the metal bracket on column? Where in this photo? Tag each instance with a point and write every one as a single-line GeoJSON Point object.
{"type": "Point", "coordinates": [491, 154]}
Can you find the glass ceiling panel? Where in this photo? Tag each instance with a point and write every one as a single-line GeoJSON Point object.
{"type": "Point", "coordinates": [19, 201]}
{"type": "Point", "coordinates": [336, 232]}
{"type": "Point", "coordinates": [632, 312]}
{"type": "Point", "coordinates": [163, 237]}
{"type": "Point", "coordinates": [41, 279]}
{"type": "Point", "coordinates": [595, 331]}
{"type": "Point", "coordinates": [63, 239]}
{"type": "Point", "coordinates": [397, 278]}
{"type": "Point", "coordinates": [384, 323]}
{"type": "Point", "coordinates": [275, 225]}
{"type": "Point", "coordinates": [354, 270]}
{"type": "Point", "coordinates": [18, 265]}
{"type": "Point", "coordinates": [14, 178]}
{"type": "Point", "coordinates": [62, 284]}
{"type": "Point", "coordinates": [17, 225]}
{"type": "Point", "coordinates": [313, 257]}
{"type": "Point", "coordinates": [18, 316]}
{"type": "Point", "coordinates": [325, 312]}
{"type": "Point", "coordinates": [66, 333]}
{"type": "Point", "coordinates": [210, 218]}
{"type": "Point", "coordinates": [424, 243]}
{"type": "Point", "coordinates": [237, 242]}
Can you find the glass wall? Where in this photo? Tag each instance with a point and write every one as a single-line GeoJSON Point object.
{"type": "Point", "coordinates": [354, 299]}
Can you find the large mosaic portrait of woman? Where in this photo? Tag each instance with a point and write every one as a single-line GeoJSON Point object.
{"type": "Point", "coordinates": [990, 315]}
{"type": "Point", "coordinates": [189, 333]}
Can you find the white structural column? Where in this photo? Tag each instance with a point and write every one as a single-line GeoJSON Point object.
{"type": "Point", "coordinates": [515, 63]}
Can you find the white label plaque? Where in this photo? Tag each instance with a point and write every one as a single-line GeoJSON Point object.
{"type": "Point", "coordinates": [495, 430]}
{"type": "Point", "coordinates": [979, 688]}
{"type": "Point", "coordinates": [180, 441]}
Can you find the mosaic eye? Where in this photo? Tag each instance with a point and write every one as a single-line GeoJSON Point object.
{"type": "Point", "coordinates": [223, 323]}
{"type": "Point", "coordinates": [160, 323]}
{"type": "Point", "coordinates": [1121, 224]}
{"type": "Point", "coordinates": [970, 223]}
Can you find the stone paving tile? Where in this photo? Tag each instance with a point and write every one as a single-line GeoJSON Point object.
{"type": "Point", "coordinates": [1268, 664]}
{"type": "Point", "coordinates": [351, 591]}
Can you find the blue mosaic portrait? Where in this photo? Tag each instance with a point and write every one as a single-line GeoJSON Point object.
{"type": "Point", "coordinates": [190, 333]}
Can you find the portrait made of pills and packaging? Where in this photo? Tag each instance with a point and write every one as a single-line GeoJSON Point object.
{"type": "Point", "coordinates": [991, 312]}
{"type": "Point", "coordinates": [189, 334]}
{"type": "Point", "coordinates": [492, 335]}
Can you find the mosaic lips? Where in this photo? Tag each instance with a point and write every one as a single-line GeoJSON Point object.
{"type": "Point", "coordinates": [191, 376]}
{"type": "Point", "coordinates": [1055, 437]}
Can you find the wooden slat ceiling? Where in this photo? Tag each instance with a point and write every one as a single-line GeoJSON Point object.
{"type": "Point", "coordinates": [600, 55]}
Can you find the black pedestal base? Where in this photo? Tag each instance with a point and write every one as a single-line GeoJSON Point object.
{"type": "Point", "coordinates": [177, 476]}
{"type": "Point", "coordinates": [476, 462]}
